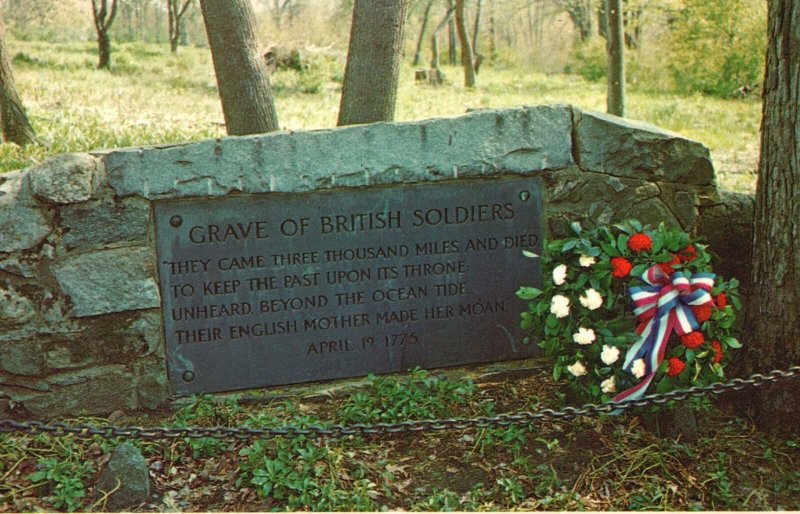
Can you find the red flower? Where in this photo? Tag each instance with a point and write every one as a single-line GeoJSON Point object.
{"type": "Point", "coordinates": [688, 254]}
{"type": "Point", "coordinates": [702, 312]}
{"type": "Point", "coordinates": [640, 243]}
{"type": "Point", "coordinates": [692, 340]}
{"type": "Point", "coordinates": [674, 367]}
{"type": "Point", "coordinates": [620, 267]}
{"type": "Point", "coordinates": [717, 351]}
{"type": "Point", "coordinates": [667, 267]}
{"type": "Point", "coordinates": [721, 301]}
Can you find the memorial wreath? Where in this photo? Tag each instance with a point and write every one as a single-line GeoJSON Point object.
{"type": "Point", "coordinates": [627, 307]}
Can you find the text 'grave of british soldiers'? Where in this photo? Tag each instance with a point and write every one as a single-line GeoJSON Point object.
{"type": "Point", "coordinates": [130, 275]}
{"type": "Point", "coordinates": [276, 289]}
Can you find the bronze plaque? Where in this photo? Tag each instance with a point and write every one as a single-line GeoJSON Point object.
{"type": "Point", "coordinates": [278, 288]}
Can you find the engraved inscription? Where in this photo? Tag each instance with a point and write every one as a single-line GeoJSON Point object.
{"type": "Point", "coordinates": [272, 289]}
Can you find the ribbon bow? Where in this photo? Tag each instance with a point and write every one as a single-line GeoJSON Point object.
{"type": "Point", "coordinates": [662, 307]}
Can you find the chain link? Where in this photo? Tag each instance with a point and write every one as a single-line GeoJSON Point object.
{"type": "Point", "coordinates": [426, 425]}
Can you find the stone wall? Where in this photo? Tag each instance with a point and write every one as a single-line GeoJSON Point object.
{"type": "Point", "coordinates": [80, 319]}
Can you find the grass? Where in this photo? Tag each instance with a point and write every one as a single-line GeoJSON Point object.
{"type": "Point", "coordinates": [606, 463]}
{"type": "Point", "coordinates": [153, 97]}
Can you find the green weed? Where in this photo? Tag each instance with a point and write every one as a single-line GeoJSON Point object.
{"type": "Point", "coordinates": [67, 480]}
{"type": "Point", "coordinates": [205, 410]}
{"type": "Point", "coordinates": [439, 500]}
{"type": "Point", "coordinates": [297, 473]}
{"type": "Point", "coordinates": [719, 482]}
{"type": "Point", "coordinates": [419, 397]}
{"type": "Point", "coordinates": [512, 489]}
{"type": "Point", "coordinates": [511, 438]}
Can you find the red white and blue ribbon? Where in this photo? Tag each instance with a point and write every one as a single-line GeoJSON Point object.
{"type": "Point", "coordinates": [662, 307]}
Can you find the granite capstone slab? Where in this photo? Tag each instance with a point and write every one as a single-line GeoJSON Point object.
{"type": "Point", "coordinates": [483, 143]}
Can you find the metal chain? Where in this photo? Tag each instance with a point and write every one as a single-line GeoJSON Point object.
{"type": "Point", "coordinates": [426, 425]}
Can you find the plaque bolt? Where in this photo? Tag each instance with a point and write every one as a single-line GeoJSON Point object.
{"type": "Point", "coordinates": [176, 221]}
{"type": "Point", "coordinates": [188, 376]}
{"type": "Point", "coordinates": [524, 195]}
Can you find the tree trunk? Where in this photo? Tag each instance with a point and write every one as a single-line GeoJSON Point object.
{"type": "Point", "coordinates": [103, 50]}
{"type": "Point", "coordinates": [176, 12]}
{"type": "Point", "coordinates": [772, 330]}
{"type": "Point", "coordinates": [451, 38]}
{"type": "Point", "coordinates": [158, 17]}
{"type": "Point", "coordinates": [435, 52]}
{"type": "Point", "coordinates": [128, 12]}
{"type": "Point", "coordinates": [476, 28]}
{"type": "Point", "coordinates": [492, 33]}
{"type": "Point", "coordinates": [173, 36]}
{"type": "Point", "coordinates": [580, 12]}
{"type": "Point", "coordinates": [539, 26]}
{"type": "Point", "coordinates": [466, 48]}
{"type": "Point", "coordinates": [632, 24]}
{"type": "Point", "coordinates": [142, 21]}
{"type": "Point", "coordinates": [529, 33]}
{"type": "Point", "coordinates": [242, 78]}
{"type": "Point", "coordinates": [421, 38]}
{"type": "Point", "coordinates": [616, 59]}
{"type": "Point", "coordinates": [602, 20]}
{"type": "Point", "coordinates": [15, 125]}
{"type": "Point", "coordinates": [435, 69]}
{"type": "Point", "coordinates": [103, 18]}
{"type": "Point", "coordinates": [369, 91]}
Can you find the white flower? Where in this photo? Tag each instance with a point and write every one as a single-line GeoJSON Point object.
{"type": "Point", "coordinates": [584, 336]}
{"type": "Point", "coordinates": [577, 369]}
{"type": "Point", "coordinates": [609, 355]}
{"type": "Point", "coordinates": [592, 300]}
{"type": "Point", "coordinates": [608, 385]}
{"type": "Point", "coordinates": [560, 274]}
{"type": "Point", "coordinates": [638, 368]}
{"type": "Point", "coordinates": [559, 306]}
{"type": "Point", "coordinates": [586, 261]}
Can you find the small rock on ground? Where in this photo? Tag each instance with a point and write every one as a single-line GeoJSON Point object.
{"type": "Point", "coordinates": [128, 468]}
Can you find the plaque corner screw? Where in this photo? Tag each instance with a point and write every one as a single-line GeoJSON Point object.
{"type": "Point", "coordinates": [176, 221]}
{"type": "Point", "coordinates": [524, 195]}
{"type": "Point", "coordinates": [188, 376]}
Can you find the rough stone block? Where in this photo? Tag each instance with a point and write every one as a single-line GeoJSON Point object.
{"type": "Point", "coordinates": [579, 189]}
{"type": "Point", "coordinates": [23, 224]}
{"type": "Point", "coordinates": [626, 148]}
{"type": "Point", "coordinates": [574, 195]}
{"type": "Point", "coordinates": [22, 358]}
{"type": "Point", "coordinates": [61, 358]}
{"type": "Point", "coordinates": [519, 140]}
{"type": "Point", "coordinates": [152, 386]}
{"type": "Point", "coordinates": [94, 224]}
{"type": "Point", "coordinates": [15, 309]}
{"type": "Point", "coordinates": [64, 179]}
{"type": "Point", "coordinates": [108, 281]}
{"type": "Point", "coordinates": [653, 211]}
{"type": "Point", "coordinates": [98, 390]}
{"type": "Point", "coordinates": [147, 330]}
{"type": "Point", "coordinates": [22, 267]}
{"type": "Point", "coordinates": [728, 229]}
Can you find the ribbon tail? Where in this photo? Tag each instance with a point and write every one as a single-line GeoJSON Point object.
{"type": "Point", "coordinates": [634, 393]}
{"type": "Point", "coordinates": [634, 350]}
